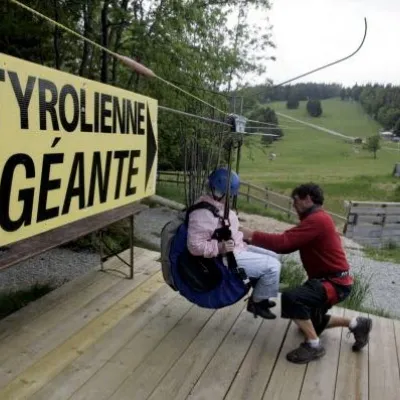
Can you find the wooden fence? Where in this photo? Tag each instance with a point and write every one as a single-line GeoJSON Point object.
{"type": "Point", "coordinates": [253, 194]}
{"type": "Point", "coordinates": [373, 224]}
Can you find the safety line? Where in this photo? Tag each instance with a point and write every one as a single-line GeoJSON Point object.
{"type": "Point", "coordinates": [134, 65]}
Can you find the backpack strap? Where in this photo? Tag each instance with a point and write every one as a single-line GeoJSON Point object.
{"type": "Point", "coordinates": [202, 205]}
{"type": "Point", "coordinates": [231, 258]}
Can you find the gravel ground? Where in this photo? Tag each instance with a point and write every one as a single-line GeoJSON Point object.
{"type": "Point", "coordinates": [55, 267]}
{"type": "Point", "coordinates": [60, 265]}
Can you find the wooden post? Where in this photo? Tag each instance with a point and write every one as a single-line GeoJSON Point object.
{"type": "Point", "coordinates": [266, 205]}
{"type": "Point", "coordinates": [131, 231]}
{"type": "Point", "coordinates": [290, 208]}
{"type": "Point", "coordinates": [248, 193]}
{"type": "Point", "coordinates": [101, 236]}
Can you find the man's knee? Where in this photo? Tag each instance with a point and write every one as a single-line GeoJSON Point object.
{"type": "Point", "coordinates": [293, 305]}
{"type": "Point", "coordinates": [288, 299]}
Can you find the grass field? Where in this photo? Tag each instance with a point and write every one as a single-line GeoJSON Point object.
{"type": "Point", "coordinates": [343, 116]}
{"type": "Point", "coordinates": [307, 154]}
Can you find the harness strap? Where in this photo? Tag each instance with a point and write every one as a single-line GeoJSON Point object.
{"type": "Point", "coordinates": [202, 205]}
{"type": "Point", "coordinates": [330, 287]}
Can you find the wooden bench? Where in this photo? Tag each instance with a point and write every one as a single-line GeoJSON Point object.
{"type": "Point", "coordinates": [373, 223]}
{"type": "Point", "coordinates": [27, 248]}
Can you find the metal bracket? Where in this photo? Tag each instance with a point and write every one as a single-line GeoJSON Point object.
{"type": "Point", "coordinates": [104, 257]}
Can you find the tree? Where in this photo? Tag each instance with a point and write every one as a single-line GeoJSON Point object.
{"type": "Point", "coordinates": [293, 102]}
{"type": "Point", "coordinates": [185, 42]}
{"type": "Point", "coordinates": [266, 115]}
{"type": "Point", "coordinates": [388, 116]}
{"type": "Point", "coordinates": [314, 108]}
{"type": "Point", "coordinates": [396, 129]}
{"type": "Point", "coordinates": [355, 92]}
{"type": "Point", "coordinates": [373, 144]}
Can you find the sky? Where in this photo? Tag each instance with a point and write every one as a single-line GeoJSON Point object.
{"type": "Point", "coordinates": [311, 33]}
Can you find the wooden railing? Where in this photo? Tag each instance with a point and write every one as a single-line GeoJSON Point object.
{"type": "Point", "coordinates": [252, 193]}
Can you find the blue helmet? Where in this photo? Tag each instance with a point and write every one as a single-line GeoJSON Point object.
{"type": "Point", "coordinates": [218, 179]}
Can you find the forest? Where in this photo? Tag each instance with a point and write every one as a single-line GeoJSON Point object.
{"type": "Point", "coordinates": [185, 42]}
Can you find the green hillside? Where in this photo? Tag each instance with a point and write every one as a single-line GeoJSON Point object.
{"type": "Point", "coordinates": [342, 116]}
{"type": "Point", "coordinates": [305, 154]}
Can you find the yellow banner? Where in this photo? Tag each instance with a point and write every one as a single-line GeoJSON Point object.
{"type": "Point", "coordinates": [69, 148]}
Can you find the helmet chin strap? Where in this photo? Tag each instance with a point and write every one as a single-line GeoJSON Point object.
{"type": "Point", "coordinates": [215, 197]}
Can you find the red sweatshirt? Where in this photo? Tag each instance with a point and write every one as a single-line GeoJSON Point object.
{"type": "Point", "coordinates": [320, 246]}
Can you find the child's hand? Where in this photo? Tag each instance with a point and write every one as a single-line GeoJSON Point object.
{"type": "Point", "coordinates": [228, 246]}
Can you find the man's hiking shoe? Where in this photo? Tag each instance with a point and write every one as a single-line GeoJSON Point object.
{"type": "Point", "coordinates": [262, 308]}
{"type": "Point", "coordinates": [305, 353]}
{"type": "Point", "coordinates": [361, 332]}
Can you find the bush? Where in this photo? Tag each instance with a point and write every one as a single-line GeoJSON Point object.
{"type": "Point", "coordinates": [292, 274]}
{"type": "Point", "coordinates": [292, 103]}
{"type": "Point", "coordinates": [360, 291]}
{"type": "Point", "coordinates": [314, 108]}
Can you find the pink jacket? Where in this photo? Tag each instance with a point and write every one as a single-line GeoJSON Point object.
{"type": "Point", "coordinates": [202, 224]}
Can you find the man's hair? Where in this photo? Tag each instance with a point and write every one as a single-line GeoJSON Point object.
{"type": "Point", "coordinates": [314, 191]}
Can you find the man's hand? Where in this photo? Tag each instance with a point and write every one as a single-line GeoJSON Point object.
{"type": "Point", "coordinates": [227, 247]}
{"type": "Point", "coordinates": [247, 234]}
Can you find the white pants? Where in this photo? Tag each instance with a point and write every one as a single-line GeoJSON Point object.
{"type": "Point", "coordinates": [263, 265]}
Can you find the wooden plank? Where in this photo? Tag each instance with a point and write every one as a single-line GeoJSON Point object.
{"type": "Point", "coordinates": [256, 369]}
{"type": "Point", "coordinates": [392, 219]}
{"type": "Point", "coordinates": [378, 203]}
{"type": "Point", "coordinates": [320, 379]}
{"type": "Point", "coordinates": [180, 379]}
{"type": "Point", "coordinates": [384, 378]}
{"type": "Point", "coordinates": [352, 376]}
{"type": "Point", "coordinates": [40, 345]}
{"type": "Point", "coordinates": [145, 378]}
{"type": "Point", "coordinates": [253, 197]}
{"type": "Point", "coordinates": [32, 329]}
{"type": "Point", "coordinates": [391, 233]}
{"type": "Point", "coordinates": [22, 337]}
{"type": "Point", "coordinates": [375, 210]}
{"type": "Point", "coordinates": [119, 367]}
{"type": "Point", "coordinates": [368, 241]}
{"type": "Point", "coordinates": [396, 324]}
{"type": "Point", "coordinates": [370, 219]}
{"type": "Point", "coordinates": [76, 374]}
{"type": "Point", "coordinates": [367, 231]}
{"type": "Point", "coordinates": [37, 375]}
{"type": "Point", "coordinates": [217, 377]}
{"type": "Point", "coordinates": [38, 244]}
{"type": "Point", "coordinates": [58, 296]}
{"type": "Point", "coordinates": [287, 378]}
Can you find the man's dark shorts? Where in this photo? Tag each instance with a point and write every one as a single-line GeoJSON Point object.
{"type": "Point", "coordinates": [310, 301]}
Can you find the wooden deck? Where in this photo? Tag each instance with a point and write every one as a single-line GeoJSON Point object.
{"type": "Point", "coordinates": [105, 337]}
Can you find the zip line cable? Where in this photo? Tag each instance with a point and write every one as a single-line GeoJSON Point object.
{"type": "Point", "coordinates": [274, 126]}
{"type": "Point", "coordinates": [132, 64]}
{"type": "Point", "coordinates": [331, 63]}
{"type": "Point", "coordinates": [322, 67]}
{"type": "Point", "coordinates": [217, 122]}
{"type": "Point", "coordinates": [173, 110]}
{"type": "Point", "coordinates": [143, 70]}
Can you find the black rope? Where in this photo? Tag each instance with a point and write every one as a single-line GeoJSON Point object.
{"type": "Point", "coordinates": [322, 67]}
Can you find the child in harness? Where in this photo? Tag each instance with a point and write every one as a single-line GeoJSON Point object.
{"type": "Point", "coordinates": [261, 266]}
